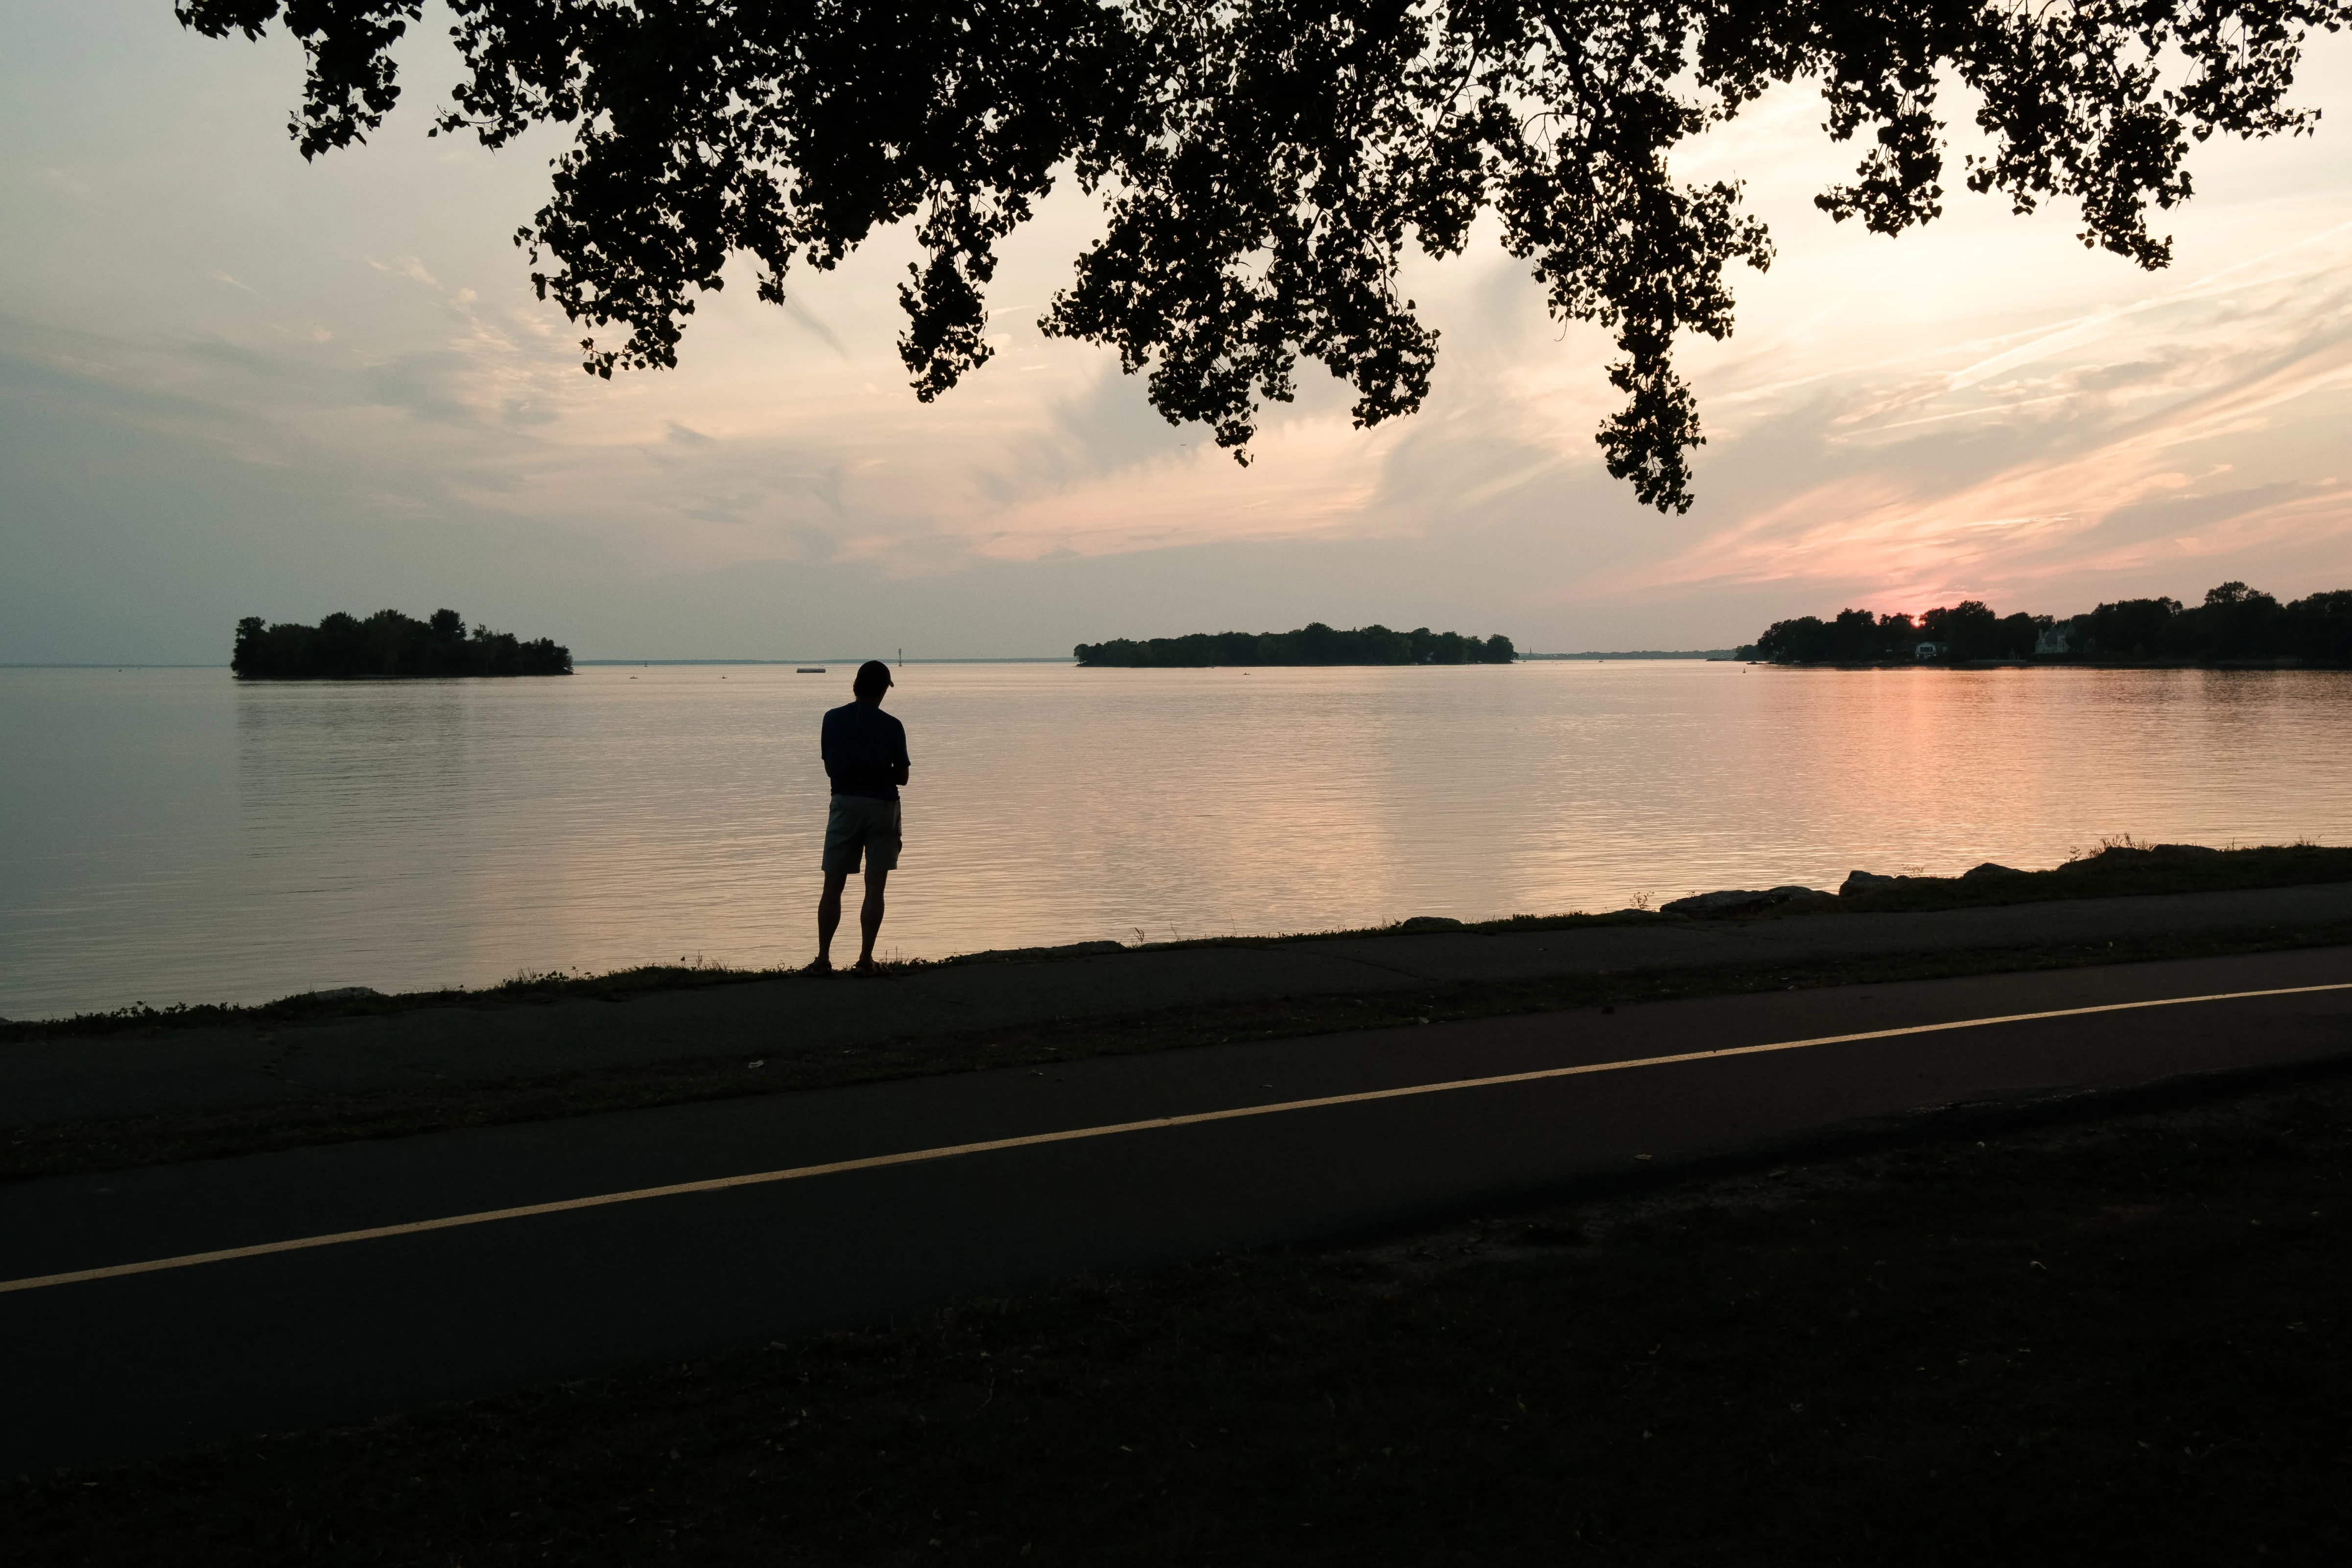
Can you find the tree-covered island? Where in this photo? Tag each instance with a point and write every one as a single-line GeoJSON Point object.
{"type": "Point", "coordinates": [1314, 644]}
{"type": "Point", "coordinates": [387, 646]}
{"type": "Point", "coordinates": [2235, 625]}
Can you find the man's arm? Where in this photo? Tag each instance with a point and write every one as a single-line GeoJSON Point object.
{"type": "Point", "coordinates": [899, 767]}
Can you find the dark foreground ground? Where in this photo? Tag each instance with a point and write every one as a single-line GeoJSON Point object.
{"type": "Point", "coordinates": [2118, 1340]}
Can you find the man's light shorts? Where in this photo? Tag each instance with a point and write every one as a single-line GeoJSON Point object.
{"type": "Point", "coordinates": [857, 825]}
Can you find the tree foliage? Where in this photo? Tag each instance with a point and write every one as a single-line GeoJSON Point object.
{"type": "Point", "coordinates": [1314, 644]}
{"type": "Point", "coordinates": [387, 643]}
{"type": "Point", "coordinates": [2233, 622]}
{"type": "Point", "coordinates": [1261, 164]}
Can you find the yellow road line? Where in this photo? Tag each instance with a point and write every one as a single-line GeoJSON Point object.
{"type": "Point", "coordinates": [952, 1151]}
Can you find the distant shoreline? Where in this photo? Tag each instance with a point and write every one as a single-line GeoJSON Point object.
{"type": "Point", "coordinates": [2287, 663]}
{"type": "Point", "coordinates": [1720, 653]}
{"type": "Point", "coordinates": [1716, 656]}
{"type": "Point", "coordinates": [849, 659]}
{"type": "Point", "coordinates": [2236, 626]}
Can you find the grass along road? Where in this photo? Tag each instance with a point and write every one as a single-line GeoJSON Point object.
{"type": "Point", "coordinates": [2119, 869]}
{"type": "Point", "coordinates": [67, 1148]}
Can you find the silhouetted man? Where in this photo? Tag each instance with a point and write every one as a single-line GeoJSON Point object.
{"type": "Point", "coordinates": [865, 757]}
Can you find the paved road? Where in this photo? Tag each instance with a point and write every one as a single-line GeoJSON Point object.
{"type": "Point", "coordinates": [115, 1367]}
{"type": "Point", "coordinates": [65, 1080]}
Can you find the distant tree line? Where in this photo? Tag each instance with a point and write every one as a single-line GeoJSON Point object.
{"type": "Point", "coordinates": [2234, 622]}
{"type": "Point", "coordinates": [1314, 644]}
{"type": "Point", "coordinates": [387, 643]}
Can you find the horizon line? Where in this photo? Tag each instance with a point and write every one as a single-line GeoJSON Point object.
{"type": "Point", "coordinates": [818, 659]}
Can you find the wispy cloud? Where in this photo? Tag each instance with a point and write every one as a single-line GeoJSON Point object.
{"type": "Point", "coordinates": [407, 266]}
{"type": "Point", "coordinates": [59, 181]}
{"type": "Point", "coordinates": [2063, 430]}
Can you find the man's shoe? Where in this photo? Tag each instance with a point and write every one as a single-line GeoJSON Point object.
{"type": "Point", "coordinates": [867, 967]}
{"type": "Point", "coordinates": [820, 964]}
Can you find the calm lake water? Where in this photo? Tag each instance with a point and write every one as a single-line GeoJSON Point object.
{"type": "Point", "coordinates": [170, 835]}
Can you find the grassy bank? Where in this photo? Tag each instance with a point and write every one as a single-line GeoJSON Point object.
{"type": "Point", "coordinates": [2115, 869]}
{"type": "Point", "coordinates": [2114, 1342]}
{"type": "Point", "coordinates": [61, 1148]}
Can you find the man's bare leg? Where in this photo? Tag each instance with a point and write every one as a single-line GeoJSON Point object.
{"type": "Point", "coordinates": [828, 916]}
{"type": "Point", "coordinates": [869, 913]}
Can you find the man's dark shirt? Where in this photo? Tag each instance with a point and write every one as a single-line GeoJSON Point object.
{"type": "Point", "coordinates": [865, 751]}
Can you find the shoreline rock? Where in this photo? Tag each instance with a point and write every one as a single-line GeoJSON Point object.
{"type": "Point", "coordinates": [1065, 950]}
{"type": "Point", "coordinates": [1738, 900]}
{"type": "Point", "coordinates": [1870, 881]}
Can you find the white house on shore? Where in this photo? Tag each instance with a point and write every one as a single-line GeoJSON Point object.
{"type": "Point", "coordinates": [2055, 639]}
{"type": "Point", "coordinates": [1928, 651]}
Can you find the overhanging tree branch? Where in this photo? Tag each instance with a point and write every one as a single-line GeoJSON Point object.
{"type": "Point", "coordinates": [1264, 162]}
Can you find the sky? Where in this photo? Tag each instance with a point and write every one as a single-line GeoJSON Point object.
{"type": "Point", "coordinates": [234, 384]}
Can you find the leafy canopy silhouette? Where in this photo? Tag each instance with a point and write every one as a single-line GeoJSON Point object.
{"type": "Point", "coordinates": [1263, 162]}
